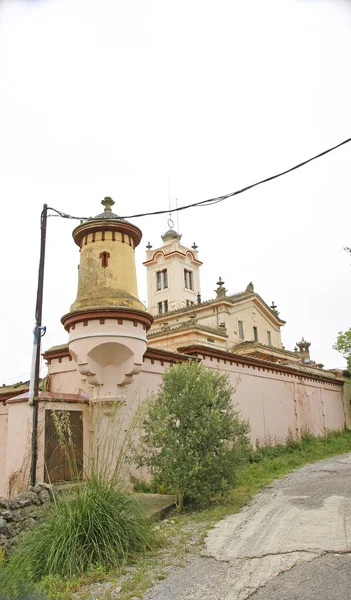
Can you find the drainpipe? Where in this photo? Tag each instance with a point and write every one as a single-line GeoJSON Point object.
{"type": "Point", "coordinates": [38, 332]}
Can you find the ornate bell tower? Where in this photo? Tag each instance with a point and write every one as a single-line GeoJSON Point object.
{"type": "Point", "coordinates": [173, 276]}
{"type": "Point", "coordinates": [107, 323]}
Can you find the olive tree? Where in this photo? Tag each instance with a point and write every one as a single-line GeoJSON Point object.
{"type": "Point", "coordinates": [194, 440]}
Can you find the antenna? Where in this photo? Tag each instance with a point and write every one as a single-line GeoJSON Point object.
{"type": "Point", "coordinates": [177, 213]}
{"type": "Point", "coordinates": [169, 195]}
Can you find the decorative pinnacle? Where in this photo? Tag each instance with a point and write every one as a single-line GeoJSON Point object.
{"type": "Point", "coordinates": [220, 291]}
{"type": "Point", "coordinates": [194, 246]}
{"type": "Point", "coordinates": [149, 246]}
{"type": "Point", "coordinates": [107, 202]}
{"type": "Point", "coordinates": [274, 306]}
{"type": "Point", "coordinates": [220, 283]}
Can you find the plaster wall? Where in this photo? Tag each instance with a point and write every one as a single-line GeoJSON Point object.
{"type": "Point", "coordinates": [251, 316]}
{"type": "Point", "coordinates": [334, 410]}
{"type": "Point", "coordinates": [273, 402]}
{"type": "Point", "coordinates": [186, 338]}
{"type": "Point", "coordinates": [276, 403]}
{"type": "Point", "coordinates": [108, 353]}
{"type": "Point", "coordinates": [64, 377]}
{"type": "Point", "coordinates": [3, 447]}
{"type": "Point", "coordinates": [15, 462]}
{"type": "Point", "coordinates": [114, 285]}
{"type": "Point", "coordinates": [17, 458]}
{"type": "Point", "coordinates": [176, 294]}
{"type": "Point", "coordinates": [347, 403]}
{"type": "Point", "coordinates": [248, 312]}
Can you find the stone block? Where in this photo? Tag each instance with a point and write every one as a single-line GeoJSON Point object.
{"type": "Point", "coordinates": [7, 515]}
{"type": "Point", "coordinates": [44, 496]}
{"type": "Point", "coordinates": [3, 526]}
{"type": "Point", "coordinates": [30, 523]}
{"type": "Point", "coordinates": [4, 503]}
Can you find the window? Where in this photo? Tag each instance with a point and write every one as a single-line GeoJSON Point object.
{"type": "Point", "coordinates": [255, 334]}
{"type": "Point", "coordinates": [160, 308]}
{"type": "Point", "coordinates": [241, 330]}
{"type": "Point", "coordinates": [191, 280]}
{"type": "Point", "coordinates": [269, 338]}
{"type": "Point", "coordinates": [104, 259]}
{"type": "Point", "coordinates": [189, 303]}
{"type": "Point", "coordinates": [161, 279]}
{"type": "Point", "coordinates": [165, 306]}
{"type": "Point", "coordinates": [188, 279]}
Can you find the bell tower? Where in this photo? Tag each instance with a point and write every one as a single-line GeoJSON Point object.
{"type": "Point", "coordinates": [107, 323]}
{"type": "Point", "coordinates": [173, 276]}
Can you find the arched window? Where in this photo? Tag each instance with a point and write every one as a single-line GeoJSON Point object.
{"type": "Point", "coordinates": [104, 258]}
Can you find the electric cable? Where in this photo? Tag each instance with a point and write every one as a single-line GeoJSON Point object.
{"type": "Point", "coordinates": [217, 199]}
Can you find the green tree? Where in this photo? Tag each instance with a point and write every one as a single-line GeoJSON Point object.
{"type": "Point", "coordinates": [343, 345]}
{"type": "Point", "coordinates": [194, 441]}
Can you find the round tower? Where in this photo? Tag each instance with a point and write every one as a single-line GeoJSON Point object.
{"type": "Point", "coordinates": [107, 323]}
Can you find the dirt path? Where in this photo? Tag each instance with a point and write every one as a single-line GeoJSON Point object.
{"type": "Point", "coordinates": [293, 541]}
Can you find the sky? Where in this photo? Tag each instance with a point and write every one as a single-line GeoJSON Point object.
{"type": "Point", "coordinates": [119, 98]}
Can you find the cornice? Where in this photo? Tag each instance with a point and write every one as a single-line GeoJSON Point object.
{"type": "Point", "coordinates": [256, 362]}
{"type": "Point", "coordinates": [94, 226]}
{"type": "Point", "coordinates": [78, 316]}
{"type": "Point", "coordinates": [169, 254]}
{"type": "Point", "coordinates": [186, 326]}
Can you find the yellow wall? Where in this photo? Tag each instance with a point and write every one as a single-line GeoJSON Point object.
{"type": "Point", "coordinates": [111, 286]}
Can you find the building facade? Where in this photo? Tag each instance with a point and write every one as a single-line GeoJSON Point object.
{"type": "Point", "coordinates": [117, 352]}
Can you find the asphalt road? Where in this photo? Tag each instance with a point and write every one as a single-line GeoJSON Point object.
{"type": "Point", "coordinates": [293, 542]}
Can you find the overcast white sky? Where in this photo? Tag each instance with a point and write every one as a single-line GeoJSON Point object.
{"type": "Point", "coordinates": [114, 97]}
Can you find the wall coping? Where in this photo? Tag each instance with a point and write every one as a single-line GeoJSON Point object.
{"type": "Point", "coordinates": [196, 349]}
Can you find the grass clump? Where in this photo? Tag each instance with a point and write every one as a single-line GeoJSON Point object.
{"type": "Point", "coordinates": [99, 526]}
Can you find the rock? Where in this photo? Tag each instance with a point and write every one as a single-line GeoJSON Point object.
{"type": "Point", "coordinates": [36, 488]}
{"type": "Point", "coordinates": [44, 496]}
{"type": "Point", "coordinates": [3, 526]}
{"type": "Point", "coordinates": [6, 515]}
{"type": "Point", "coordinates": [26, 499]}
{"type": "Point", "coordinates": [4, 503]}
{"type": "Point", "coordinates": [30, 523]}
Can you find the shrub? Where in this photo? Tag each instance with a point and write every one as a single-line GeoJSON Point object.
{"type": "Point", "coordinates": [194, 440]}
{"type": "Point", "coordinates": [98, 525]}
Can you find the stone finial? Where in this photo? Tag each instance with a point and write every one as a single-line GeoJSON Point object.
{"type": "Point", "coordinates": [148, 246]}
{"type": "Point", "coordinates": [198, 298]}
{"type": "Point", "coordinates": [250, 287]}
{"type": "Point", "coordinates": [107, 202]}
{"type": "Point", "coordinates": [304, 349]}
{"type": "Point", "coordinates": [194, 246]}
{"type": "Point", "coordinates": [273, 307]}
{"type": "Point", "coordinates": [303, 345]}
{"type": "Point", "coordinates": [220, 291]}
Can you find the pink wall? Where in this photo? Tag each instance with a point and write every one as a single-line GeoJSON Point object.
{"type": "Point", "coordinates": [3, 447]}
{"type": "Point", "coordinates": [274, 402]}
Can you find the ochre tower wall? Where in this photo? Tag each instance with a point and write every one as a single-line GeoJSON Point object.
{"type": "Point", "coordinates": [106, 278]}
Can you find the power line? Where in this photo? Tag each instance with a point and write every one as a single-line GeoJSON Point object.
{"type": "Point", "coordinates": [217, 199]}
